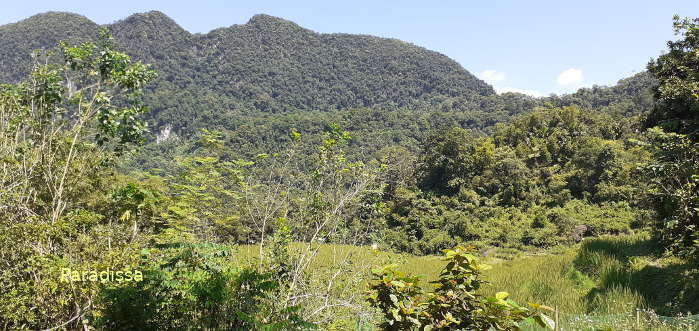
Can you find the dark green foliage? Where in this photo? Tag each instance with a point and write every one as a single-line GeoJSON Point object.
{"type": "Point", "coordinates": [631, 96]}
{"type": "Point", "coordinates": [674, 175]}
{"type": "Point", "coordinates": [678, 76]}
{"type": "Point", "coordinates": [256, 81]}
{"type": "Point", "coordinates": [675, 169]}
{"type": "Point", "coordinates": [268, 64]}
{"type": "Point", "coordinates": [196, 286]}
{"type": "Point", "coordinates": [39, 32]}
{"type": "Point", "coordinates": [453, 158]}
{"type": "Point", "coordinates": [531, 184]}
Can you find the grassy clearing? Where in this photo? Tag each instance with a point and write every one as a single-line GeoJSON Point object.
{"type": "Point", "coordinates": [598, 284]}
{"type": "Point", "coordinates": [574, 280]}
{"type": "Point", "coordinates": [330, 255]}
{"type": "Point", "coordinates": [606, 275]}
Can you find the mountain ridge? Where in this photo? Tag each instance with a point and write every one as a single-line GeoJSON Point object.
{"type": "Point", "coordinates": [268, 64]}
{"type": "Point", "coordinates": [278, 75]}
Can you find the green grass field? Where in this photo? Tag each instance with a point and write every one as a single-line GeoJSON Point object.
{"type": "Point", "coordinates": [606, 275]}
{"type": "Point", "coordinates": [597, 284]}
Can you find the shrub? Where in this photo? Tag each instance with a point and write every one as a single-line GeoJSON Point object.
{"type": "Point", "coordinates": [454, 304]}
{"type": "Point", "coordinates": [192, 286]}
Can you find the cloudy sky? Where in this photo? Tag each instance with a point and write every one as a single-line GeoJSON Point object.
{"type": "Point", "coordinates": [534, 47]}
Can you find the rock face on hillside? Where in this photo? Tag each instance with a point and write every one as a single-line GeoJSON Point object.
{"type": "Point", "coordinates": [578, 233]}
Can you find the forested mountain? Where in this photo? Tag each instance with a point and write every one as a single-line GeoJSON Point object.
{"type": "Point", "coordinates": [256, 82]}
{"type": "Point", "coordinates": [235, 76]}
{"type": "Point", "coordinates": [629, 97]}
{"type": "Point", "coordinates": [294, 152]}
{"type": "Point", "coordinates": [268, 64]}
{"type": "Point", "coordinates": [44, 31]}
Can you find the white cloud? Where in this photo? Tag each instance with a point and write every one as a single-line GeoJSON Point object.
{"type": "Point", "coordinates": [570, 76]}
{"type": "Point", "coordinates": [533, 93]}
{"type": "Point", "coordinates": [492, 76]}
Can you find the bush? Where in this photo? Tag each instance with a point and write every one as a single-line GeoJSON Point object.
{"type": "Point", "coordinates": [192, 286]}
{"type": "Point", "coordinates": [455, 303]}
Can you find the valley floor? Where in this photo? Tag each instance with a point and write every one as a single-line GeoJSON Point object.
{"type": "Point", "coordinates": [613, 282]}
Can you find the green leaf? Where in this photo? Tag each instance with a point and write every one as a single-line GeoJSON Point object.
{"type": "Point", "coordinates": [396, 315]}
{"type": "Point", "coordinates": [398, 283]}
{"type": "Point", "coordinates": [394, 299]}
{"type": "Point", "coordinates": [294, 135]}
{"type": "Point", "coordinates": [544, 321]}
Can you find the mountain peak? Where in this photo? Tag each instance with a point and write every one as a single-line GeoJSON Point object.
{"type": "Point", "coordinates": [264, 20]}
{"type": "Point", "coordinates": [154, 18]}
{"type": "Point", "coordinates": [52, 17]}
{"type": "Point", "coordinates": [57, 14]}
{"type": "Point", "coordinates": [155, 13]}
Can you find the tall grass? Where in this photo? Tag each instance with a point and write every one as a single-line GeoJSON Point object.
{"type": "Point", "coordinates": [598, 284]}
{"type": "Point", "coordinates": [601, 283]}
{"type": "Point", "coordinates": [590, 278]}
{"type": "Point", "coordinates": [546, 280]}
{"type": "Point", "coordinates": [330, 255]}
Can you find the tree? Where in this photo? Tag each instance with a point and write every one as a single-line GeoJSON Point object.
{"type": "Point", "coordinates": [452, 158]}
{"type": "Point", "coordinates": [291, 208]}
{"type": "Point", "coordinates": [677, 71]}
{"type": "Point", "coordinates": [60, 132]}
{"type": "Point", "coordinates": [674, 174]}
{"type": "Point", "coordinates": [675, 169]}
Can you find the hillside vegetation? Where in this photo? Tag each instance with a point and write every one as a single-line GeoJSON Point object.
{"type": "Point", "coordinates": [268, 64]}
{"type": "Point", "coordinates": [258, 213]}
{"type": "Point", "coordinates": [256, 81]}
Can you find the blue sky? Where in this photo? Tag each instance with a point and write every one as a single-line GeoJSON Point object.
{"type": "Point", "coordinates": [537, 46]}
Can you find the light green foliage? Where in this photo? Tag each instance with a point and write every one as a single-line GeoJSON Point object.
{"type": "Point", "coordinates": [605, 218]}
{"type": "Point", "coordinates": [278, 251]}
{"type": "Point", "coordinates": [274, 200]}
{"type": "Point", "coordinates": [531, 184]}
{"type": "Point", "coordinates": [59, 130]}
{"type": "Point", "coordinates": [138, 204]}
{"type": "Point", "coordinates": [206, 190]}
{"type": "Point", "coordinates": [455, 303]}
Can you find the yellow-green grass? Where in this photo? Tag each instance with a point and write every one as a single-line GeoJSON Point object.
{"type": "Point", "coordinates": [604, 275]}
{"type": "Point", "coordinates": [599, 283]}
{"type": "Point", "coordinates": [330, 255]}
{"type": "Point", "coordinates": [555, 280]}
